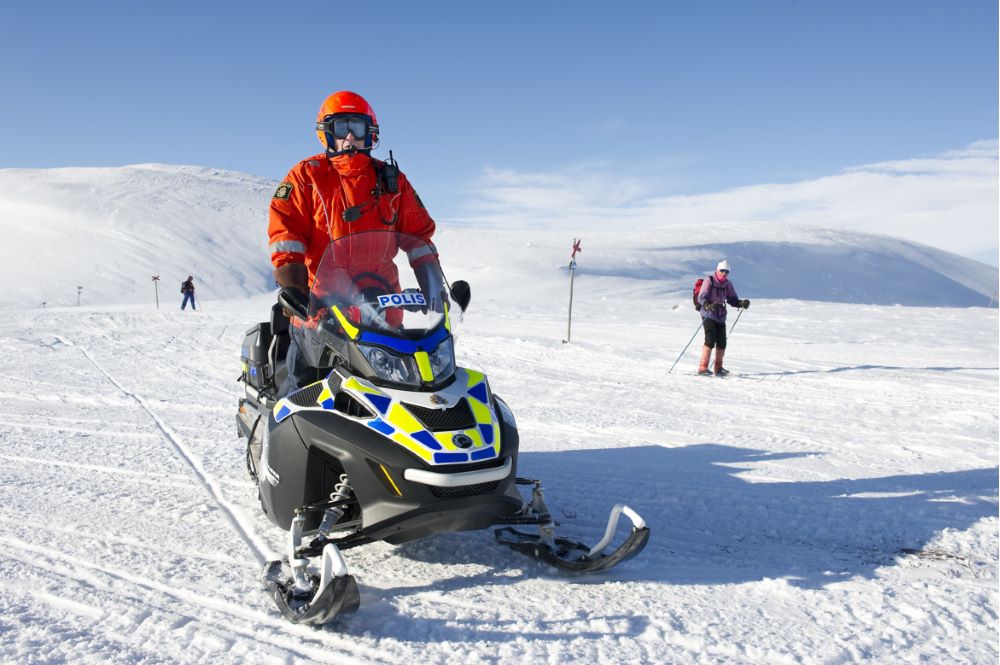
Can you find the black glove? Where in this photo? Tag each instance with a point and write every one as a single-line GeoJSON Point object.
{"type": "Point", "coordinates": [461, 293]}
{"type": "Point", "coordinates": [710, 306]}
{"type": "Point", "coordinates": [294, 302]}
{"type": "Point", "coordinates": [745, 304]}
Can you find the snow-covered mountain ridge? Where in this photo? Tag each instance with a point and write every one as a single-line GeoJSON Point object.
{"type": "Point", "coordinates": [110, 230]}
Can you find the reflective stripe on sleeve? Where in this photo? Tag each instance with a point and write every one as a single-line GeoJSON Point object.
{"type": "Point", "coordinates": [287, 246]}
{"type": "Point", "coordinates": [420, 252]}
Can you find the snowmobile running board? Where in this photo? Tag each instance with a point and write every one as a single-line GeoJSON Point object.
{"type": "Point", "coordinates": [570, 556]}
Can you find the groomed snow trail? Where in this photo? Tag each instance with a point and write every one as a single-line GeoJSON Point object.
{"type": "Point", "coordinates": [833, 501]}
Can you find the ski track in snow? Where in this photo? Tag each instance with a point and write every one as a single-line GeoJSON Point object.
{"type": "Point", "coordinates": [833, 501]}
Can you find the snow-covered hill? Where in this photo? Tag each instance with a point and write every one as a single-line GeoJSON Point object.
{"type": "Point", "coordinates": [110, 229]}
{"type": "Point", "coordinates": [768, 261]}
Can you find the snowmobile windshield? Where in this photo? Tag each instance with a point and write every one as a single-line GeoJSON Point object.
{"type": "Point", "coordinates": [381, 282]}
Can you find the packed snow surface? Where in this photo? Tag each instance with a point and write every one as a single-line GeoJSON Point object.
{"type": "Point", "coordinates": [835, 500]}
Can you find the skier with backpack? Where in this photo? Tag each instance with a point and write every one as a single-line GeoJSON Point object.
{"type": "Point", "coordinates": [711, 295]}
{"type": "Point", "coordinates": [187, 288]}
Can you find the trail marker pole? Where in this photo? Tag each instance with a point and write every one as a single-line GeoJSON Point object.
{"type": "Point", "coordinates": [572, 276]}
{"type": "Point", "coordinates": [156, 289]}
{"type": "Point", "coordinates": [79, 290]}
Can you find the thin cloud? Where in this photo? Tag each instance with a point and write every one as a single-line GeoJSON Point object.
{"type": "Point", "coordinates": [613, 126]}
{"type": "Point", "coordinates": [947, 200]}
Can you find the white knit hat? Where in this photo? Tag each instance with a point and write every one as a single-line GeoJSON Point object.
{"type": "Point", "coordinates": [723, 265]}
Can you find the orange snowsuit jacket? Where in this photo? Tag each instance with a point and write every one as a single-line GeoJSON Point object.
{"type": "Point", "coordinates": [306, 212]}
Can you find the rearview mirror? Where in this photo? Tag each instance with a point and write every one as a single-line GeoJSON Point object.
{"type": "Point", "coordinates": [461, 293]}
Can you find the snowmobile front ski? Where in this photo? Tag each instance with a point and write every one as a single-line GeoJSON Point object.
{"type": "Point", "coordinates": [304, 597]}
{"type": "Point", "coordinates": [322, 598]}
{"type": "Point", "coordinates": [566, 555]}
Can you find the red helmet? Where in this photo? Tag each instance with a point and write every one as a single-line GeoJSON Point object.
{"type": "Point", "coordinates": [345, 101]}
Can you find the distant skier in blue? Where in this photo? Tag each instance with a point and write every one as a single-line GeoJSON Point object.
{"type": "Point", "coordinates": [716, 291]}
{"type": "Point", "coordinates": [187, 288]}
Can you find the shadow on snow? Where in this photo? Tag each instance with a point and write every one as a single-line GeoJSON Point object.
{"type": "Point", "coordinates": [709, 526]}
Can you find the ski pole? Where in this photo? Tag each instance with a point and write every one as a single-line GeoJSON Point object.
{"type": "Point", "coordinates": [685, 349]}
{"type": "Point", "coordinates": [735, 322]}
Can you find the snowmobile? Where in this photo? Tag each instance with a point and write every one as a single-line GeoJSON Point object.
{"type": "Point", "coordinates": [391, 441]}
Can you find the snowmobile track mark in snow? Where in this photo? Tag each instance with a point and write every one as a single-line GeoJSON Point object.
{"type": "Point", "coordinates": [284, 636]}
{"type": "Point", "coordinates": [226, 391]}
{"type": "Point", "coordinates": [143, 477]}
{"type": "Point", "coordinates": [187, 456]}
{"type": "Point", "coordinates": [25, 379]}
{"type": "Point", "coordinates": [116, 538]}
{"type": "Point", "coordinates": [78, 430]}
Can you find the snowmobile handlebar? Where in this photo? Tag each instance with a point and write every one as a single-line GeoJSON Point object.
{"type": "Point", "coordinates": [294, 302]}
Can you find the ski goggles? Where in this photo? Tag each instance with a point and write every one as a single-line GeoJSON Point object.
{"type": "Point", "coordinates": [342, 125]}
{"type": "Point", "coordinates": [724, 272]}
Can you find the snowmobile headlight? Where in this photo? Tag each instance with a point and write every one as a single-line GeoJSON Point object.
{"type": "Point", "coordinates": [442, 360]}
{"type": "Point", "coordinates": [390, 367]}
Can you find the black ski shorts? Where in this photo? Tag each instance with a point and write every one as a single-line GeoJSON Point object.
{"type": "Point", "coordinates": [715, 333]}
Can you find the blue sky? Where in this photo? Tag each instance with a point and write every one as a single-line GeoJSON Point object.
{"type": "Point", "coordinates": [688, 97]}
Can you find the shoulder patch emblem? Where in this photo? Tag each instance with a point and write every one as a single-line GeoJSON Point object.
{"type": "Point", "coordinates": [284, 191]}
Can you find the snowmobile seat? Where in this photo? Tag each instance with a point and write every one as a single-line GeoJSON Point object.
{"type": "Point", "coordinates": [279, 322]}
{"type": "Point", "coordinates": [278, 348]}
